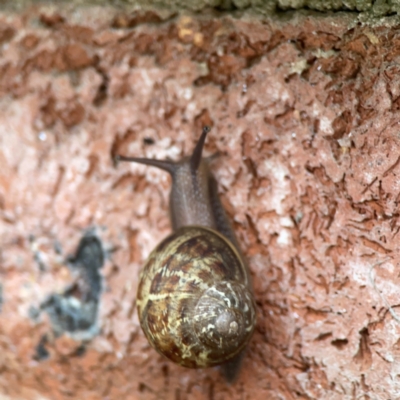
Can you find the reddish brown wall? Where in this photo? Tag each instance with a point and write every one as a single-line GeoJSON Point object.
{"type": "Point", "coordinates": [306, 116]}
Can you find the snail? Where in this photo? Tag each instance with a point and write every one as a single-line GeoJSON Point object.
{"type": "Point", "coordinates": [195, 299]}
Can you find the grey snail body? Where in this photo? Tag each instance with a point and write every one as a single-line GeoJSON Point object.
{"type": "Point", "coordinates": [195, 300]}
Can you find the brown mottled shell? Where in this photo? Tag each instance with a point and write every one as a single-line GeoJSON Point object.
{"type": "Point", "coordinates": [194, 302]}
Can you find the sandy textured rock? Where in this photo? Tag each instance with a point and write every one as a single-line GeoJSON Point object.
{"type": "Point", "coordinates": [367, 8]}
{"type": "Point", "coordinates": [305, 115]}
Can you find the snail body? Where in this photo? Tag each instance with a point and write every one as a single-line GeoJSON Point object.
{"type": "Point", "coordinates": [195, 299]}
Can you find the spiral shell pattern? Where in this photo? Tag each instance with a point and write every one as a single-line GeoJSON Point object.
{"type": "Point", "coordinates": [194, 302]}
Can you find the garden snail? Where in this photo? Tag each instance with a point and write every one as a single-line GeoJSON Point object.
{"type": "Point", "coordinates": [195, 299]}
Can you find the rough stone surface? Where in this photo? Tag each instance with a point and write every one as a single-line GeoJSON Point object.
{"type": "Point", "coordinates": [367, 8]}
{"type": "Point", "coordinates": [305, 115]}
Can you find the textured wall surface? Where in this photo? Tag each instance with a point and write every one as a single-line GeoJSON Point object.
{"type": "Point", "coordinates": [367, 8]}
{"type": "Point", "coordinates": [305, 115]}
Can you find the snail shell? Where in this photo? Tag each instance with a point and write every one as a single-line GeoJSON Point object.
{"type": "Point", "coordinates": [195, 298]}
